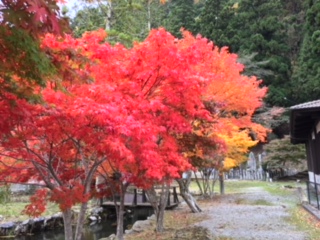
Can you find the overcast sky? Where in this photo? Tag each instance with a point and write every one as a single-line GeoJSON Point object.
{"type": "Point", "coordinates": [72, 5]}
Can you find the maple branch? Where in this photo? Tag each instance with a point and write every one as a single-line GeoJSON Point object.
{"type": "Point", "coordinates": [44, 168]}
{"type": "Point", "coordinates": [92, 172]}
{"type": "Point", "coordinates": [156, 82]}
{"type": "Point", "coordinates": [146, 82]}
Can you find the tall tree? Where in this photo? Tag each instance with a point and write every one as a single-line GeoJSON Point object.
{"type": "Point", "coordinates": [125, 21]}
{"type": "Point", "coordinates": [231, 98]}
{"type": "Point", "coordinates": [181, 14]}
{"type": "Point", "coordinates": [306, 80]}
{"type": "Point", "coordinates": [215, 23]}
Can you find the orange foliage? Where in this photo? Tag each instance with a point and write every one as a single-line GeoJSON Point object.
{"type": "Point", "coordinates": [231, 99]}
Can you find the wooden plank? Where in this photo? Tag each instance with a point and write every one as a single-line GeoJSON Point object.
{"type": "Point", "coordinates": [146, 204]}
{"type": "Point", "coordinates": [137, 199]}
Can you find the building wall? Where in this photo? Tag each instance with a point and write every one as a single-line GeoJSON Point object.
{"type": "Point", "coordinates": [313, 154]}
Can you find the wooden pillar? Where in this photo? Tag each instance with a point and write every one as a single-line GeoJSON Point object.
{"type": "Point", "coordinates": [135, 197]}
{"type": "Point", "coordinates": [144, 196]}
{"type": "Point", "coordinates": [169, 195]}
{"type": "Point", "coordinates": [175, 195]}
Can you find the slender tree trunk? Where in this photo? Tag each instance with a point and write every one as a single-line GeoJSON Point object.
{"type": "Point", "coordinates": [153, 199]}
{"type": "Point", "coordinates": [162, 207]}
{"type": "Point", "coordinates": [120, 212]}
{"type": "Point", "coordinates": [67, 223]}
{"type": "Point", "coordinates": [186, 195]}
{"type": "Point", "coordinates": [80, 221]}
{"type": "Point", "coordinates": [149, 14]}
{"type": "Point", "coordinates": [159, 204]}
{"type": "Point", "coordinates": [221, 180]}
{"type": "Point", "coordinates": [108, 17]}
{"type": "Point", "coordinates": [197, 181]}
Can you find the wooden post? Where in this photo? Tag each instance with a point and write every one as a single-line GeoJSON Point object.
{"type": "Point", "coordinates": [144, 196]}
{"type": "Point", "coordinates": [175, 195]}
{"type": "Point", "coordinates": [135, 197]}
{"type": "Point", "coordinates": [169, 195]}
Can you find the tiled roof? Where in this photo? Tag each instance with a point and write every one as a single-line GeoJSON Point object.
{"type": "Point", "coordinates": [312, 104]}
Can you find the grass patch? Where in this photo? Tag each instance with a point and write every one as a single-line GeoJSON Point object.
{"type": "Point", "coordinates": [242, 186]}
{"type": "Point", "coordinates": [305, 222]}
{"type": "Point", "coordinates": [260, 202]}
{"type": "Point", "coordinates": [274, 188]}
{"type": "Point", "coordinates": [12, 211]}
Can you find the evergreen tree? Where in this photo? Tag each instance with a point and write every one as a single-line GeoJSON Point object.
{"type": "Point", "coordinates": [280, 153]}
{"type": "Point", "coordinates": [88, 19]}
{"type": "Point", "coordinates": [306, 84]}
{"type": "Point", "coordinates": [125, 21]}
{"type": "Point", "coordinates": [215, 23]}
{"type": "Point", "coordinates": [181, 14]}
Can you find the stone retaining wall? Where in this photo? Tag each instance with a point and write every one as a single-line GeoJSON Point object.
{"type": "Point", "coordinates": [42, 224]}
{"type": "Point", "coordinates": [31, 225]}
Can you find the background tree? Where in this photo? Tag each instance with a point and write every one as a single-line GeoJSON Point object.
{"type": "Point", "coordinates": [281, 154]}
{"type": "Point", "coordinates": [89, 18]}
{"type": "Point", "coordinates": [306, 78]}
{"type": "Point", "coordinates": [215, 22]}
{"type": "Point", "coordinates": [124, 21]}
{"type": "Point", "coordinates": [181, 14]}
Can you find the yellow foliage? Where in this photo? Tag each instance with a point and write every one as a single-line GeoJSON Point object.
{"type": "Point", "coordinates": [235, 6]}
{"type": "Point", "coordinates": [238, 143]}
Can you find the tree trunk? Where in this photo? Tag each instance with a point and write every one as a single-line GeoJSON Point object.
{"type": "Point", "coordinates": [162, 207]}
{"type": "Point", "coordinates": [153, 199]}
{"type": "Point", "coordinates": [80, 221]}
{"type": "Point", "coordinates": [187, 196]}
{"type": "Point", "coordinates": [67, 223]}
{"type": "Point", "coordinates": [152, 196]}
{"type": "Point", "coordinates": [120, 212]}
{"type": "Point", "coordinates": [159, 204]}
{"type": "Point", "coordinates": [197, 181]}
{"type": "Point", "coordinates": [221, 180]}
{"type": "Point", "coordinates": [149, 14]}
{"type": "Point", "coordinates": [108, 17]}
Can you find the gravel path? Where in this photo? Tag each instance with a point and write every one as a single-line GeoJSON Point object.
{"type": "Point", "coordinates": [255, 215]}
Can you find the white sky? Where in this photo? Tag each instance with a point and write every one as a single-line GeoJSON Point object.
{"type": "Point", "coordinates": [72, 5]}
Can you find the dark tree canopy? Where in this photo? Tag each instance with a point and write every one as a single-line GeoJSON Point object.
{"type": "Point", "coordinates": [306, 84]}
{"type": "Point", "coordinates": [181, 14]}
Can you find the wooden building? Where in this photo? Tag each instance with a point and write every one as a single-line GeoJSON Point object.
{"type": "Point", "coordinates": [305, 129]}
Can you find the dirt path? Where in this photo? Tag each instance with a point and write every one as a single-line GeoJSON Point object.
{"type": "Point", "coordinates": [255, 215]}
